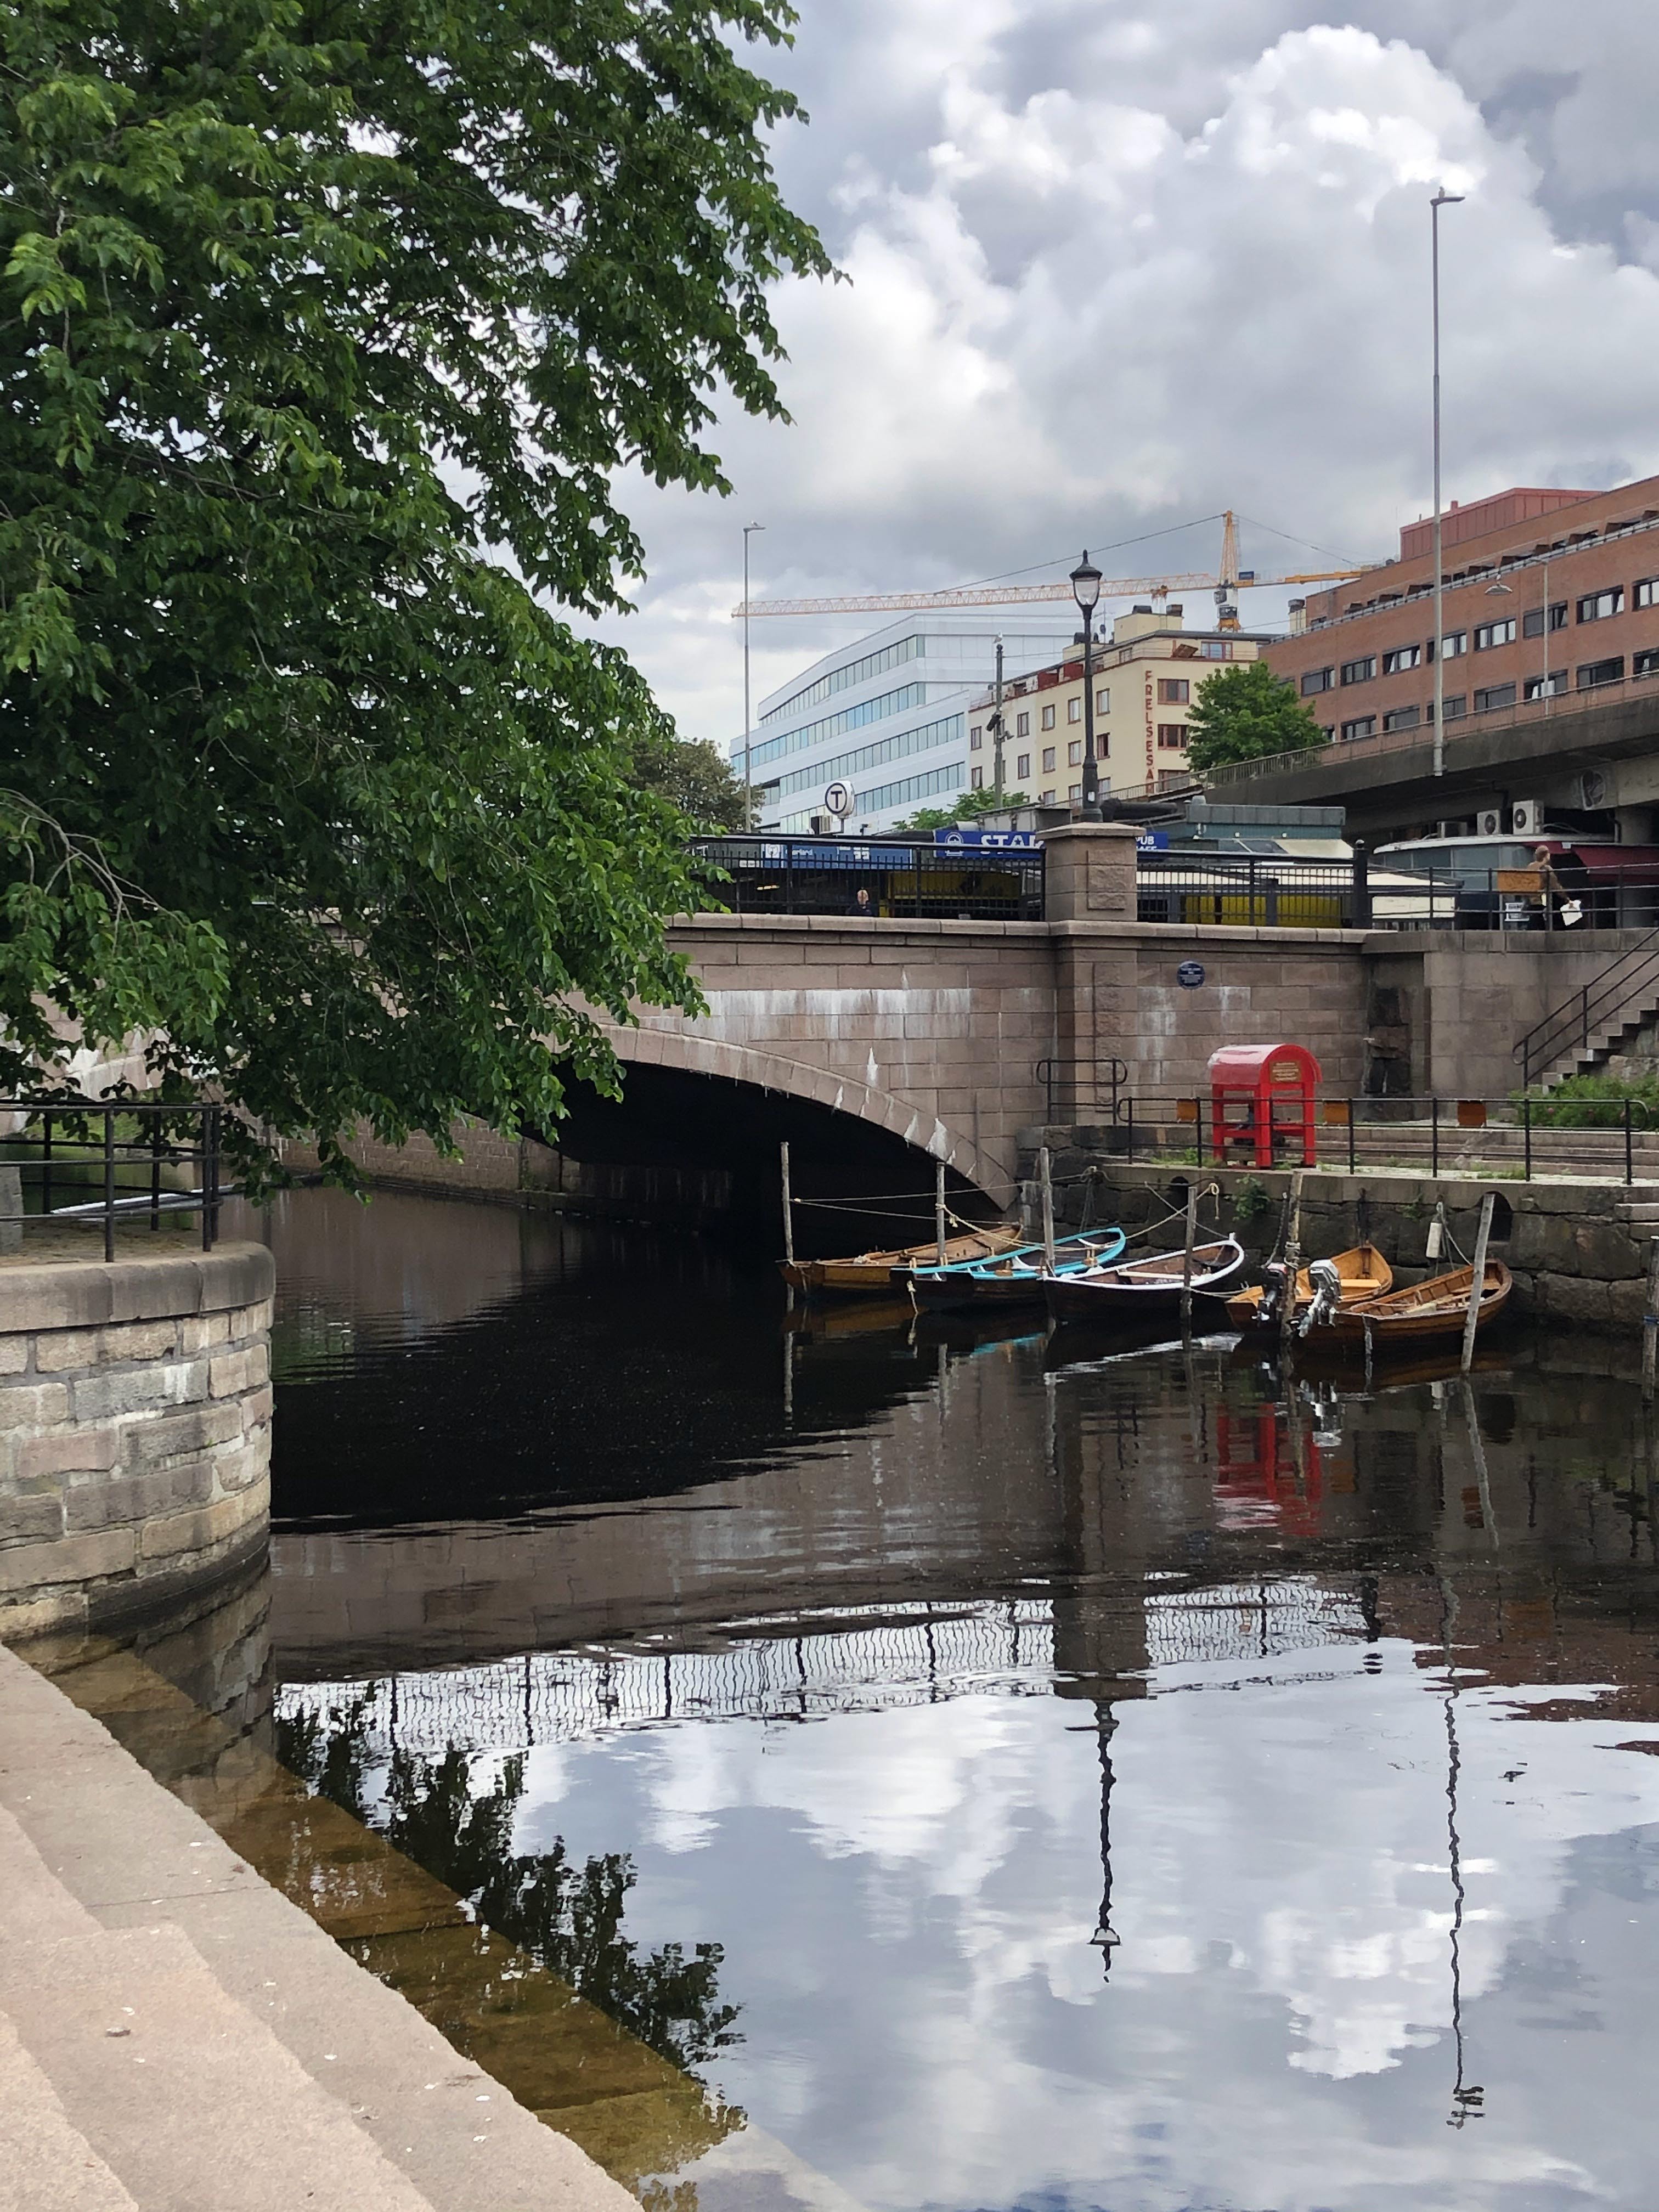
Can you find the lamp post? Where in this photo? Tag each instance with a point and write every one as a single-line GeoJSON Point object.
{"type": "Point", "coordinates": [1442, 198]}
{"type": "Point", "coordinates": [1086, 590]}
{"type": "Point", "coordinates": [749, 530]}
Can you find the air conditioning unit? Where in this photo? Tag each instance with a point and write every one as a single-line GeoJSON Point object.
{"type": "Point", "coordinates": [1489, 822]}
{"type": "Point", "coordinates": [1527, 817]}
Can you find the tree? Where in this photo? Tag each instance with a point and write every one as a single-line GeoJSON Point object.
{"type": "Point", "coordinates": [696, 778]}
{"type": "Point", "coordinates": [969, 806]}
{"type": "Point", "coordinates": [1244, 712]}
{"type": "Point", "coordinates": [327, 331]}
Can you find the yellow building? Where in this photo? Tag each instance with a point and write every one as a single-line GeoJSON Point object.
{"type": "Point", "coordinates": [1146, 676]}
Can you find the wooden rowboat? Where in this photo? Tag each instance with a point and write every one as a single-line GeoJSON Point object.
{"type": "Point", "coordinates": [1017, 1279]}
{"type": "Point", "coordinates": [1365, 1275]}
{"type": "Point", "coordinates": [870, 1273]}
{"type": "Point", "coordinates": [1428, 1314]}
{"type": "Point", "coordinates": [1141, 1288]}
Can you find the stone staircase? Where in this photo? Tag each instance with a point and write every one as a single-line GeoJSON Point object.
{"type": "Point", "coordinates": [1606, 1041]}
{"type": "Point", "coordinates": [175, 2036]}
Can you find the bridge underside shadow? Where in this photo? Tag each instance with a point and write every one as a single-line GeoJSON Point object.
{"type": "Point", "coordinates": [671, 1117]}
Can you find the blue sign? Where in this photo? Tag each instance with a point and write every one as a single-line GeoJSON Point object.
{"type": "Point", "coordinates": [1190, 975]}
{"type": "Point", "coordinates": [1021, 840]}
{"type": "Point", "coordinates": [1153, 841]}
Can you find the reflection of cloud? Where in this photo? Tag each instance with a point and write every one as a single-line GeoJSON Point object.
{"type": "Point", "coordinates": [906, 1900]}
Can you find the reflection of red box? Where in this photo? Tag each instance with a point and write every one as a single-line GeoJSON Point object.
{"type": "Point", "coordinates": [1256, 1481]}
{"type": "Point", "coordinates": [1261, 1104]}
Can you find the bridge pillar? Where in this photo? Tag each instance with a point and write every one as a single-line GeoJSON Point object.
{"type": "Point", "coordinates": [1090, 872]}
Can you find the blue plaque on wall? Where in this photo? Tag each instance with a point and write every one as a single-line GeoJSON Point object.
{"type": "Point", "coordinates": [1190, 974]}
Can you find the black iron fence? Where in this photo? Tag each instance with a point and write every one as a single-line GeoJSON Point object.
{"type": "Point", "coordinates": [893, 878]}
{"type": "Point", "coordinates": [92, 1163]}
{"type": "Point", "coordinates": [1516, 1138]}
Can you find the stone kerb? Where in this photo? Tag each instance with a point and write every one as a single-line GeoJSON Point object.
{"type": "Point", "coordinates": [135, 1430]}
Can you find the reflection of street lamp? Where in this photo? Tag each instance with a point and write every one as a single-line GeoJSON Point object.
{"type": "Point", "coordinates": [1086, 590]}
{"type": "Point", "coordinates": [1442, 198]}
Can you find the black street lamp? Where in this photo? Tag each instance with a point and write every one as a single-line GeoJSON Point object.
{"type": "Point", "coordinates": [1086, 590]}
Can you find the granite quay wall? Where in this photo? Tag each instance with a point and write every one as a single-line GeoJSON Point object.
{"type": "Point", "coordinates": [1579, 1248]}
{"type": "Point", "coordinates": [135, 1430]}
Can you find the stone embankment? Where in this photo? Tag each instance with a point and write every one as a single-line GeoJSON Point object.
{"type": "Point", "coordinates": [134, 1430]}
{"type": "Point", "coordinates": [1578, 1248]}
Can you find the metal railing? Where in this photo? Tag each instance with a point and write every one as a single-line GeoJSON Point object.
{"type": "Point", "coordinates": [890, 877]}
{"type": "Point", "coordinates": [1592, 1009]}
{"type": "Point", "coordinates": [1071, 1086]}
{"type": "Point", "coordinates": [1514, 1139]}
{"type": "Point", "coordinates": [92, 1163]}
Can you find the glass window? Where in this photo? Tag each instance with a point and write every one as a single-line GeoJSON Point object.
{"type": "Point", "coordinates": [1217, 649]}
{"type": "Point", "coordinates": [1023, 729]}
{"type": "Point", "coordinates": [1532, 622]}
{"type": "Point", "coordinates": [1646, 663]}
{"type": "Point", "coordinates": [976, 780]}
{"type": "Point", "coordinates": [1487, 634]}
{"type": "Point", "coordinates": [975, 741]}
{"type": "Point", "coordinates": [1456, 641]}
{"type": "Point", "coordinates": [1403, 718]}
{"type": "Point", "coordinates": [1175, 691]}
{"type": "Point", "coordinates": [1363, 725]}
{"type": "Point", "coordinates": [1172, 735]}
{"type": "Point", "coordinates": [1402, 658]}
{"type": "Point", "coordinates": [1074, 709]}
{"type": "Point", "coordinates": [1317, 680]}
{"type": "Point", "coordinates": [1596, 606]}
{"type": "Point", "coordinates": [1074, 759]}
{"type": "Point", "coordinates": [1544, 687]}
{"type": "Point", "coordinates": [1103, 706]}
{"type": "Point", "coordinates": [1075, 794]}
{"type": "Point", "coordinates": [1601, 672]}
{"type": "Point", "coordinates": [1048, 724]}
{"type": "Point", "coordinates": [1495, 695]}
{"type": "Point", "coordinates": [1047, 798]}
{"type": "Point", "coordinates": [1021, 769]}
{"type": "Point", "coordinates": [1456, 707]}
{"type": "Point", "coordinates": [1359, 672]}
{"type": "Point", "coordinates": [1646, 593]}
{"type": "Point", "coordinates": [1048, 769]}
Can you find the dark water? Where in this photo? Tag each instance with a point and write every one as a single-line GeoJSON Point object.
{"type": "Point", "coordinates": [1004, 1773]}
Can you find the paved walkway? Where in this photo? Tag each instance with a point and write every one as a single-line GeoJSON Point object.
{"type": "Point", "coordinates": [177, 2037]}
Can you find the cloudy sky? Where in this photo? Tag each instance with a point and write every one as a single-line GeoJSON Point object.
{"type": "Point", "coordinates": [1114, 268]}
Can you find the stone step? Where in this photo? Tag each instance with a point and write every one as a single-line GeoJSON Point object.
{"type": "Point", "coordinates": [189, 2101]}
{"type": "Point", "coordinates": [46, 2164]}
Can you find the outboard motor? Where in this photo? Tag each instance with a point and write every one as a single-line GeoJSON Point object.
{"type": "Point", "coordinates": [1272, 1290]}
{"type": "Point", "coordinates": [1326, 1295]}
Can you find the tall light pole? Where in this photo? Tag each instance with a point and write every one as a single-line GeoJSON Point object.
{"type": "Point", "coordinates": [1086, 590]}
{"type": "Point", "coordinates": [749, 530]}
{"type": "Point", "coordinates": [1442, 198]}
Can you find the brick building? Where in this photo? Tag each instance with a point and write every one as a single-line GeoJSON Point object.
{"type": "Point", "coordinates": [1545, 593]}
{"type": "Point", "coordinates": [1147, 674]}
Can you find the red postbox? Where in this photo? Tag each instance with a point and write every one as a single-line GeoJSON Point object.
{"type": "Point", "coordinates": [1261, 1104]}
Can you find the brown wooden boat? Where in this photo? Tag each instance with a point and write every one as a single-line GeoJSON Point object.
{"type": "Point", "coordinates": [1428, 1314]}
{"type": "Point", "coordinates": [870, 1272]}
{"type": "Point", "coordinates": [1365, 1275]}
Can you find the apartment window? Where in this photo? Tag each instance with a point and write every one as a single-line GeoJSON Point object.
{"type": "Point", "coordinates": [1544, 687]}
{"type": "Point", "coordinates": [1403, 718]}
{"type": "Point", "coordinates": [1047, 798]}
{"type": "Point", "coordinates": [1646, 663]}
{"type": "Point", "coordinates": [1456, 642]}
{"type": "Point", "coordinates": [1359, 672]}
{"type": "Point", "coordinates": [1488, 634]}
{"type": "Point", "coordinates": [1023, 729]}
{"type": "Point", "coordinates": [1646, 593]}
{"type": "Point", "coordinates": [1075, 794]}
{"type": "Point", "coordinates": [1363, 725]}
{"type": "Point", "coordinates": [1600, 672]}
{"type": "Point", "coordinates": [1317, 680]}
{"type": "Point", "coordinates": [1596, 606]}
{"type": "Point", "coordinates": [1074, 709]}
{"type": "Point", "coordinates": [1075, 753]}
{"type": "Point", "coordinates": [1402, 658]}
{"type": "Point", "coordinates": [1048, 760]}
{"type": "Point", "coordinates": [1532, 622]}
{"type": "Point", "coordinates": [1495, 695]}
{"type": "Point", "coordinates": [976, 737]}
{"type": "Point", "coordinates": [1217, 649]}
{"type": "Point", "coordinates": [977, 783]}
{"type": "Point", "coordinates": [1174, 690]}
{"type": "Point", "coordinates": [1456, 707]}
{"type": "Point", "coordinates": [1023, 768]}
{"type": "Point", "coordinates": [1049, 717]}
{"type": "Point", "coordinates": [1171, 779]}
{"type": "Point", "coordinates": [1172, 735]}
{"type": "Point", "coordinates": [1103, 702]}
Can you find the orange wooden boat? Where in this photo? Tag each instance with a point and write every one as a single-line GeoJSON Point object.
{"type": "Point", "coordinates": [1428, 1314]}
{"type": "Point", "coordinates": [871, 1273]}
{"type": "Point", "coordinates": [1365, 1275]}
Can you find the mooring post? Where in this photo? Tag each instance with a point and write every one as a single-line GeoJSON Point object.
{"type": "Point", "coordinates": [1293, 1269]}
{"type": "Point", "coordinates": [1187, 1261]}
{"type": "Point", "coordinates": [1477, 1288]}
{"type": "Point", "coordinates": [1651, 1322]}
{"type": "Point", "coordinates": [789, 1208]}
{"type": "Point", "coordinates": [1045, 1181]}
{"type": "Point", "coordinates": [938, 1208]}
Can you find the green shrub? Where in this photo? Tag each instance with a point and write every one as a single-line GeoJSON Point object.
{"type": "Point", "coordinates": [1597, 1101]}
{"type": "Point", "coordinates": [1250, 1199]}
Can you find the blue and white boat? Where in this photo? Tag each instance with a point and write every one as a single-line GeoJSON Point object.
{"type": "Point", "coordinates": [1016, 1278]}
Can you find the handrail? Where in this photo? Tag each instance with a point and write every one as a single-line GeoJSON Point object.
{"type": "Point", "coordinates": [1588, 1009]}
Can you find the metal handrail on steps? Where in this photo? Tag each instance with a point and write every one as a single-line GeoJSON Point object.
{"type": "Point", "coordinates": [1572, 1022]}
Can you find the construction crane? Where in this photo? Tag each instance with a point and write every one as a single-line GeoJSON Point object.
{"type": "Point", "coordinates": [1225, 585]}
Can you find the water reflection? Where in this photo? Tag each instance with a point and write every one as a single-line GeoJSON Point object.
{"type": "Point", "coordinates": [1098, 1780]}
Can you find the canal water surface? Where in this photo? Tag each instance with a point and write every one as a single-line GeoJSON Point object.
{"type": "Point", "coordinates": [980, 1772]}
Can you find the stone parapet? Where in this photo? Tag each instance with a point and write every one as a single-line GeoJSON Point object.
{"type": "Point", "coordinates": [135, 1430]}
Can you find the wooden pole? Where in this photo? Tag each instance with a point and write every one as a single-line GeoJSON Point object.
{"type": "Point", "coordinates": [789, 1208]}
{"type": "Point", "coordinates": [1187, 1259]}
{"type": "Point", "coordinates": [1293, 1269]}
{"type": "Point", "coordinates": [1479, 1283]}
{"type": "Point", "coordinates": [938, 1208]}
{"type": "Point", "coordinates": [1047, 1182]}
{"type": "Point", "coordinates": [1651, 1322]}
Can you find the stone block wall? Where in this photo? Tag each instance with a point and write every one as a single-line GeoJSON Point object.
{"type": "Point", "coordinates": [135, 1430]}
